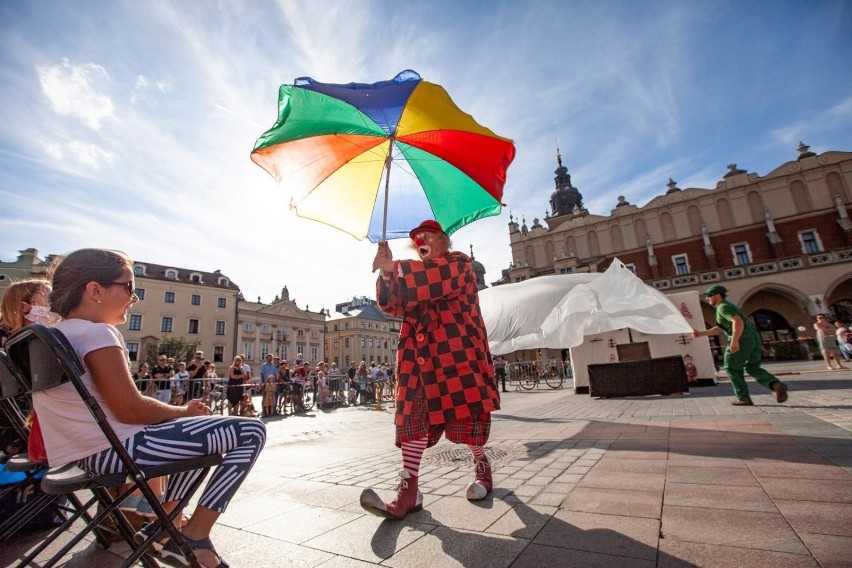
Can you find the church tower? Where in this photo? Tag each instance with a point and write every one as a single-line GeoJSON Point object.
{"type": "Point", "coordinates": [566, 199]}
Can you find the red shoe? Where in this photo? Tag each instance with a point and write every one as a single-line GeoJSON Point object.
{"type": "Point", "coordinates": [408, 499]}
{"type": "Point", "coordinates": [482, 485]}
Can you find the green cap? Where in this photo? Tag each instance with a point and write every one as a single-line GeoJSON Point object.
{"type": "Point", "coordinates": [716, 289]}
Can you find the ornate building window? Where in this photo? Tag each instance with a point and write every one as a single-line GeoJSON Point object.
{"type": "Point", "coordinates": [810, 241]}
{"type": "Point", "coordinates": [741, 253]}
{"type": "Point", "coordinates": [681, 264]}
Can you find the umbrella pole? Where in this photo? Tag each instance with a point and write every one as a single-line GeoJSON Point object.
{"type": "Point", "coordinates": [384, 293]}
{"type": "Point", "coordinates": [388, 160]}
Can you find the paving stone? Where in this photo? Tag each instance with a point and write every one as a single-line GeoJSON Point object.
{"type": "Point", "coordinates": [617, 480]}
{"type": "Point", "coordinates": [679, 554]}
{"type": "Point", "coordinates": [445, 547]}
{"type": "Point", "coordinates": [633, 537]}
{"type": "Point", "coordinates": [537, 556]}
{"type": "Point", "coordinates": [743, 529]}
{"type": "Point", "coordinates": [829, 550]}
{"type": "Point", "coordinates": [735, 498]}
{"type": "Point", "coordinates": [725, 476]}
{"type": "Point", "coordinates": [629, 503]}
{"type": "Point", "coordinates": [817, 517]}
{"type": "Point", "coordinates": [829, 490]}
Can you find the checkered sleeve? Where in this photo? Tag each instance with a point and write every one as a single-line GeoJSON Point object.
{"type": "Point", "coordinates": [390, 295]}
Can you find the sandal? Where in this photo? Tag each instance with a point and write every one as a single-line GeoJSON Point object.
{"type": "Point", "coordinates": [171, 554]}
{"type": "Point", "coordinates": [148, 529]}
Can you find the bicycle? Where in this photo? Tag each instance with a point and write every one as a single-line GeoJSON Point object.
{"type": "Point", "coordinates": [530, 380]}
{"type": "Point", "coordinates": [298, 397]}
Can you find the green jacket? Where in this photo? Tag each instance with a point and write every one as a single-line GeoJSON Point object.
{"type": "Point", "coordinates": [725, 313]}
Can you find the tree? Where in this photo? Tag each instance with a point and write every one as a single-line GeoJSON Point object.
{"type": "Point", "coordinates": [178, 347]}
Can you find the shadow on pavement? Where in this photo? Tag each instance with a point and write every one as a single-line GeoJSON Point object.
{"type": "Point", "coordinates": [541, 539]}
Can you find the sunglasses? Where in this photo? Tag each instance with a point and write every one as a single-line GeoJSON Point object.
{"type": "Point", "coordinates": [129, 285]}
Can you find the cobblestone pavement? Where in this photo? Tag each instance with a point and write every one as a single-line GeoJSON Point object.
{"type": "Point", "coordinates": [642, 481]}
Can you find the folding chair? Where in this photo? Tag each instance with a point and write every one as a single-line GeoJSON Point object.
{"type": "Point", "coordinates": [44, 359]}
{"type": "Point", "coordinates": [10, 406]}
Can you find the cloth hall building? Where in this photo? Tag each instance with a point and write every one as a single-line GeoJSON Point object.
{"type": "Point", "coordinates": [780, 243]}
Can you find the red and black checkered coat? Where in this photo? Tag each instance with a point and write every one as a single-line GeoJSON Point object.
{"type": "Point", "coordinates": [442, 342]}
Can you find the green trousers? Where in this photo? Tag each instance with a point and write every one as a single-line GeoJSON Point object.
{"type": "Point", "coordinates": [747, 360]}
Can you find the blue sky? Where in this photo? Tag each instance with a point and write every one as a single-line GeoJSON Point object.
{"type": "Point", "coordinates": [129, 125]}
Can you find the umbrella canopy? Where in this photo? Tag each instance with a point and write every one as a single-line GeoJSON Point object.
{"type": "Point", "coordinates": [558, 311]}
{"type": "Point", "coordinates": [333, 143]}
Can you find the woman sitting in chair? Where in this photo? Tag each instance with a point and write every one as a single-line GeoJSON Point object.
{"type": "Point", "coordinates": [93, 290]}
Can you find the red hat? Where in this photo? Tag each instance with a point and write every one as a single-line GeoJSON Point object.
{"type": "Point", "coordinates": [427, 226]}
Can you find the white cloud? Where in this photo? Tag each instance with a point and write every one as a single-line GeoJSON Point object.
{"type": "Point", "coordinates": [88, 154]}
{"type": "Point", "coordinates": [83, 153]}
{"type": "Point", "coordinates": [72, 90]}
{"type": "Point", "coordinates": [52, 149]}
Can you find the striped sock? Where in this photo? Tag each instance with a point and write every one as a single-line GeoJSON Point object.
{"type": "Point", "coordinates": [478, 453]}
{"type": "Point", "coordinates": [411, 454]}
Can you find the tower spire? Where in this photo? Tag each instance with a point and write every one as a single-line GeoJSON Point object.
{"type": "Point", "coordinates": [566, 197]}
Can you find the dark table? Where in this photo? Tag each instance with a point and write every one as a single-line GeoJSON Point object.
{"type": "Point", "coordinates": [663, 375]}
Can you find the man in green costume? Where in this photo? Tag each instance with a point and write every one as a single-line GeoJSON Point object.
{"type": "Point", "coordinates": [743, 351]}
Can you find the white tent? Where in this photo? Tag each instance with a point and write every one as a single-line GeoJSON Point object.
{"type": "Point", "coordinates": [559, 311]}
{"type": "Point", "coordinates": [590, 314]}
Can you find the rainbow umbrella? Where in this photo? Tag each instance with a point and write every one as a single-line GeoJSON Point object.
{"type": "Point", "coordinates": [332, 144]}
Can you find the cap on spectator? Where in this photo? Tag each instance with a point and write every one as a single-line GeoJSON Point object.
{"type": "Point", "coordinates": [716, 289]}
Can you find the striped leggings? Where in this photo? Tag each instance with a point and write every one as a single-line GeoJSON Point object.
{"type": "Point", "coordinates": [239, 439]}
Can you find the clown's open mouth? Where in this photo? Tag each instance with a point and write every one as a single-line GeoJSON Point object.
{"type": "Point", "coordinates": [424, 251]}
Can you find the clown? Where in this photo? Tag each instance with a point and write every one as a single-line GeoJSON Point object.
{"type": "Point", "coordinates": [445, 384]}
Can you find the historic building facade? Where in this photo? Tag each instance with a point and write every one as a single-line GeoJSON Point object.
{"type": "Point", "coordinates": [780, 243]}
{"type": "Point", "coordinates": [174, 303]}
{"type": "Point", "coordinates": [280, 328]}
{"type": "Point", "coordinates": [360, 331]}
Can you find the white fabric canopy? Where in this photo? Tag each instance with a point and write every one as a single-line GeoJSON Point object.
{"type": "Point", "coordinates": [558, 311]}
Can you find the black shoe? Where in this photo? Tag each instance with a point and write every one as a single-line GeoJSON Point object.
{"type": "Point", "coordinates": [742, 402]}
{"type": "Point", "coordinates": [780, 391]}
